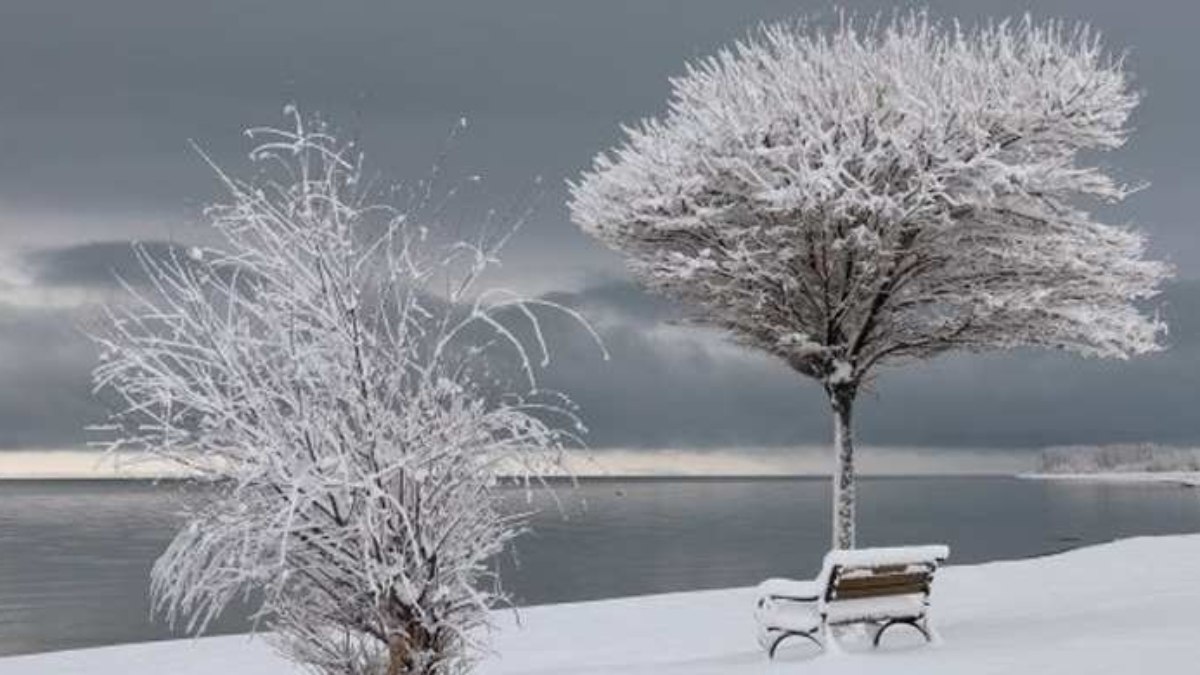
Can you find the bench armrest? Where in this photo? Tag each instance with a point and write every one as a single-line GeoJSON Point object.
{"type": "Point", "coordinates": [790, 589]}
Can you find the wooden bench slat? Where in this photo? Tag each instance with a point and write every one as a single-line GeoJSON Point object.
{"type": "Point", "coordinates": [878, 592]}
{"type": "Point", "coordinates": [880, 585]}
{"type": "Point", "coordinates": [879, 580]}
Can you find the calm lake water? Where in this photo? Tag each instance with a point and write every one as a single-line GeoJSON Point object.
{"type": "Point", "coordinates": [75, 556]}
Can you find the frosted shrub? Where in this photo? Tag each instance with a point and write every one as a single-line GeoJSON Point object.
{"type": "Point", "coordinates": [357, 402]}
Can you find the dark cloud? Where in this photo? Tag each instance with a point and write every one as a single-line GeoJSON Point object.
{"type": "Point", "coordinates": [97, 264]}
{"type": "Point", "coordinates": [45, 378]}
{"type": "Point", "coordinates": [92, 131]}
{"type": "Point", "coordinates": [100, 100]}
{"type": "Point", "coordinates": [671, 386]}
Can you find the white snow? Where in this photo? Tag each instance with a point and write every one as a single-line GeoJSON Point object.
{"type": "Point", "coordinates": [898, 555]}
{"type": "Point", "coordinates": [842, 372]}
{"type": "Point", "coordinates": [801, 589]}
{"type": "Point", "coordinates": [1118, 608]}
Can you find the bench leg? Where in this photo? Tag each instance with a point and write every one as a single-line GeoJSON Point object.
{"type": "Point", "coordinates": [785, 635]}
{"type": "Point", "coordinates": [831, 640]}
{"type": "Point", "coordinates": [933, 636]}
{"type": "Point", "coordinates": [910, 622]}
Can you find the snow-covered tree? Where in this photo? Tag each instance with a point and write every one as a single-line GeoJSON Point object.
{"type": "Point", "coordinates": [880, 192]}
{"type": "Point", "coordinates": [338, 378]}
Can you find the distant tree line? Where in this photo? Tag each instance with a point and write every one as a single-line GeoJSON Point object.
{"type": "Point", "coordinates": [1120, 457]}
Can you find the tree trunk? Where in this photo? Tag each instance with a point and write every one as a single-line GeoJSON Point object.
{"type": "Point", "coordinates": [843, 473]}
{"type": "Point", "coordinates": [398, 656]}
{"type": "Point", "coordinates": [409, 654]}
{"type": "Point", "coordinates": [418, 651]}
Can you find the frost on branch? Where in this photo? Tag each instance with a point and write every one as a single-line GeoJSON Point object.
{"type": "Point", "coordinates": [886, 191]}
{"type": "Point", "coordinates": [340, 377]}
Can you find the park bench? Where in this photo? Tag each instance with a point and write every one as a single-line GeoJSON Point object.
{"type": "Point", "coordinates": [879, 587]}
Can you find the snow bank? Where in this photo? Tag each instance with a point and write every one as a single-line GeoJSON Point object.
{"type": "Point", "coordinates": [888, 556]}
{"type": "Point", "coordinates": [1123, 607]}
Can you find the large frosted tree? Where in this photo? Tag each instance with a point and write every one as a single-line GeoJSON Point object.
{"type": "Point", "coordinates": [882, 192]}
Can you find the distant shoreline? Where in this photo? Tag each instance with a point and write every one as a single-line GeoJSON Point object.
{"type": "Point", "coordinates": [1181, 478]}
{"type": "Point", "coordinates": [803, 462]}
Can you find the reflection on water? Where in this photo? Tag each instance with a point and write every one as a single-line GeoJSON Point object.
{"type": "Point", "coordinates": [75, 556]}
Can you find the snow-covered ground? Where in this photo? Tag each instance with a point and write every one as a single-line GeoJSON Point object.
{"type": "Point", "coordinates": [1119, 608]}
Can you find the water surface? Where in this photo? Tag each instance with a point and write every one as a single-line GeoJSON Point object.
{"type": "Point", "coordinates": [75, 556]}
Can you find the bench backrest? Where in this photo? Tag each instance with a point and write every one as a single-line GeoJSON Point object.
{"type": "Point", "coordinates": [881, 572]}
{"type": "Point", "coordinates": [853, 583]}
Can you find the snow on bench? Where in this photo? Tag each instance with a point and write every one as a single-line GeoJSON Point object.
{"type": "Point", "coordinates": [877, 586]}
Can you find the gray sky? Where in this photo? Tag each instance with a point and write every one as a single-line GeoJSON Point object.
{"type": "Point", "coordinates": [98, 100]}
